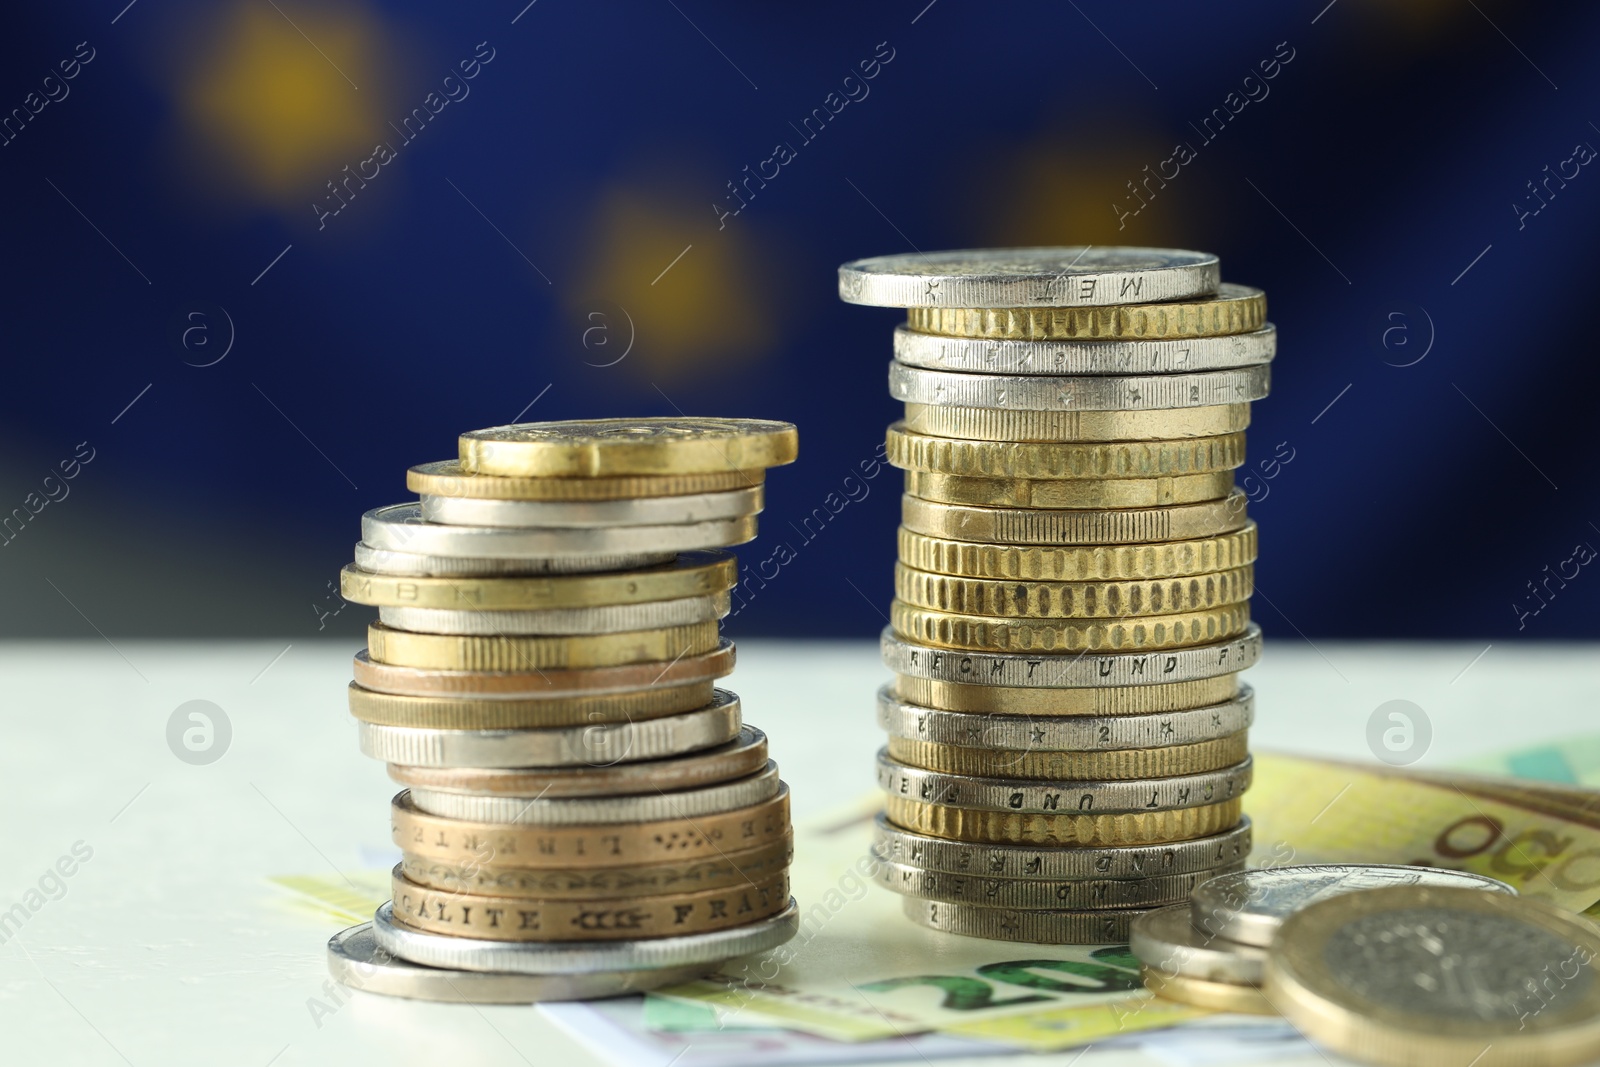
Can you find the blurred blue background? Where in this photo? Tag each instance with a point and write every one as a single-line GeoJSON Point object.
{"type": "Point", "coordinates": [246, 370]}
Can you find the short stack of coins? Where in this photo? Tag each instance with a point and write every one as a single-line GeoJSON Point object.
{"type": "Point", "coordinates": [585, 814]}
{"type": "Point", "coordinates": [1067, 730]}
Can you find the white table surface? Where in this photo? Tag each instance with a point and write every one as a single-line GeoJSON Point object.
{"type": "Point", "coordinates": [169, 945]}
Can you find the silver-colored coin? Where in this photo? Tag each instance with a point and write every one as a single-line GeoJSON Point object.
{"type": "Point", "coordinates": [642, 511]}
{"type": "Point", "coordinates": [574, 811]}
{"type": "Point", "coordinates": [1037, 927]}
{"type": "Point", "coordinates": [582, 957]}
{"type": "Point", "coordinates": [1203, 855]}
{"type": "Point", "coordinates": [401, 528]}
{"type": "Point", "coordinates": [1070, 671]}
{"type": "Point", "coordinates": [1064, 733]}
{"type": "Point", "coordinates": [421, 565]}
{"type": "Point", "coordinates": [1035, 797]}
{"type": "Point", "coordinates": [909, 880]}
{"type": "Point", "coordinates": [1251, 905]}
{"type": "Point", "coordinates": [357, 960]}
{"type": "Point", "coordinates": [596, 745]}
{"type": "Point", "coordinates": [984, 356]}
{"type": "Point", "coordinates": [1029, 277]}
{"type": "Point", "coordinates": [605, 619]}
{"type": "Point", "coordinates": [1141, 392]}
{"type": "Point", "coordinates": [1168, 943]}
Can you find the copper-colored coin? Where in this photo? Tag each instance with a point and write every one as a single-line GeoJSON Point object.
{"type": "Point", "coordinates": [617, 919]}
{"type": "Point", "coordinates": [540, 684]}
{"type": "Point", "coordinates": [564, 847]}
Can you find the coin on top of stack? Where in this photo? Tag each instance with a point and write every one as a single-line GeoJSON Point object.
{"type": "Point", "coordinates": [585, 813]}
{"type": "Point", "coordinates": [1066, 729]}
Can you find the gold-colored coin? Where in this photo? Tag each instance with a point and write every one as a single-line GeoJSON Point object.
{"type": "Point", "coordinates": [1012, 424]}
{"type": "Point", "coordinates": [1078, 563]}
{"type": "Point", "coordinates": [1045, 460]}
{"type": "Point", "coordinates": [692, 574]}
{"type": "Point", "coordinates": [1071, 600]}
{"type": "Point", "coordinates": [1014, 700]}
{"type": "Point", "coordinates": [1117, 526]}
{"type": "Point", "coordinates": [455, 653]}
{"type": "Point", "coordinates": [981, 633]}
{"type": "Point", "coordinates": [545, 684]}
{"type": "Point", "coordinates": [740, 867]}
{"type": "Point", "coordinates": [1069, 493]}
{"type": "Point", "coordinates": [447, 478]}
{"type": "Point", "coordinates": [1430, 976]}
{"type": "Point", "coordinates": [617, 919]}
{"type": "Point", "coordinates": [1235, 309]}
{"type": "Point", "coordinates": [1100, 766]}
{"type": "Point", "coordinates": [467, 713]}
{"type": "Point", "coordinates": [1014, 828]}
{"type": "Point", "coordinates": [463, 843]}
{"type": "Point", "coordinates": [609, 448]}
{"type": "Point", "coordinates": [1203, 993]}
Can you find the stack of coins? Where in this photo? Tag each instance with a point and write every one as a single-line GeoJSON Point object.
{"type": "Point", "coordinates": [1067, 731]}
{"type": "Point", "coordinates": [585, 813]}
{"type": "Point", "coordinates": [1212, 951]}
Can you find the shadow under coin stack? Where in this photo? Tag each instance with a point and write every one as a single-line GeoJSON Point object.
{"type": "Point", "coordinates": [1067, 731]}
{"type": "Point", "coordinates": [585, 815]}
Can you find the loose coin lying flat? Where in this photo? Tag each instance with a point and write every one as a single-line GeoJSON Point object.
{"type": "Point", "coordinates": [1236, 309]}
{"type": "Point", "coordinates": [452, 652]}
{"type": "Point", "coordinates": [1215, 996]}
{"type": "Point", "coordinates": [1053, 671]}
{"type": "Point", "coordinates": [1002, 424]}
{"type": "Point", "coordinates": [538, 684]}
{"type": "Point", "coordinates": [595, 811]}
{"type": "Point", "coordinates": [457, 914]}
{"type": "Point", "coordinates": [911, 450]}
{"type": "Point", "coordinates": [1082, 357]}
{"type": "Point", "coordinates": [401, 528]}
{"type": "Point", "coordinates": [357, 960]}
{"type": "Point", "coordinates": [1203, 855]}
{"type": "Point", "coordinates": [1078, 563]}
{"type": "Point", "coordinates": [1045, 797]}
{"type": "Point", "coordinates": [567, 958]}
{"type": "Point", "coordinates": [1065, 734]}
{"type": "Point", "coordinates": [1168, 943]}
{"type": "Point", "coordinates": [1025, 277]}
{"type": "Point", "coordinates": [1014, 526]}
{"type": "Point", "coordinates": [422, 565]}
{"type": "Point", "coordinates": [646, 511]}
{"type": "Point", "coordinates": [602, 619]}
{"type": "Point", "coordinates": [1046, 703]}
{"type": "Point", "coordinates": [1023, 828]}
{"type": "Point", "coordinates": [984, 633]}
{"type": "Point", "coordinates": [1138, 392]}
{"type": "Point", "coordinates": [1070, 493]}
{"type": "Point", "coordinates": [910, 880]}
{"type": "Point", "coordinates": [475, 713]}
{"type": "Point", "coordinates": [458, 842]}
{"type": "Point", "coordinates": [1035, 927]}
{"type": "Point", "coordinates": [692, 574]}
{"type": "Point", "coordinates": [1427, 976]}
{"type": "Point", "coordinates": [598, 745]}
{"type": "Point", "coordinates": [744, 755]}
{"type": "Point", "coordinates": [605, 448]}
{"type": "Point", "coordinates": [737, 867]}
{"type": "Point", "coordinates": [446, 478]}
{"type": "Point", "coordinates": [1250, 906]}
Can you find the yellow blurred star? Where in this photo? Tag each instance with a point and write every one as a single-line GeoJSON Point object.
{"type": "Point", "coordinates": [279, 106]}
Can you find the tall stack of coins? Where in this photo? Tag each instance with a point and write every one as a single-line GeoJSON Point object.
{"type": "Point", "coordinates": [585, 814]}
{"type": "Point", "coordinates": [1067, 730]}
